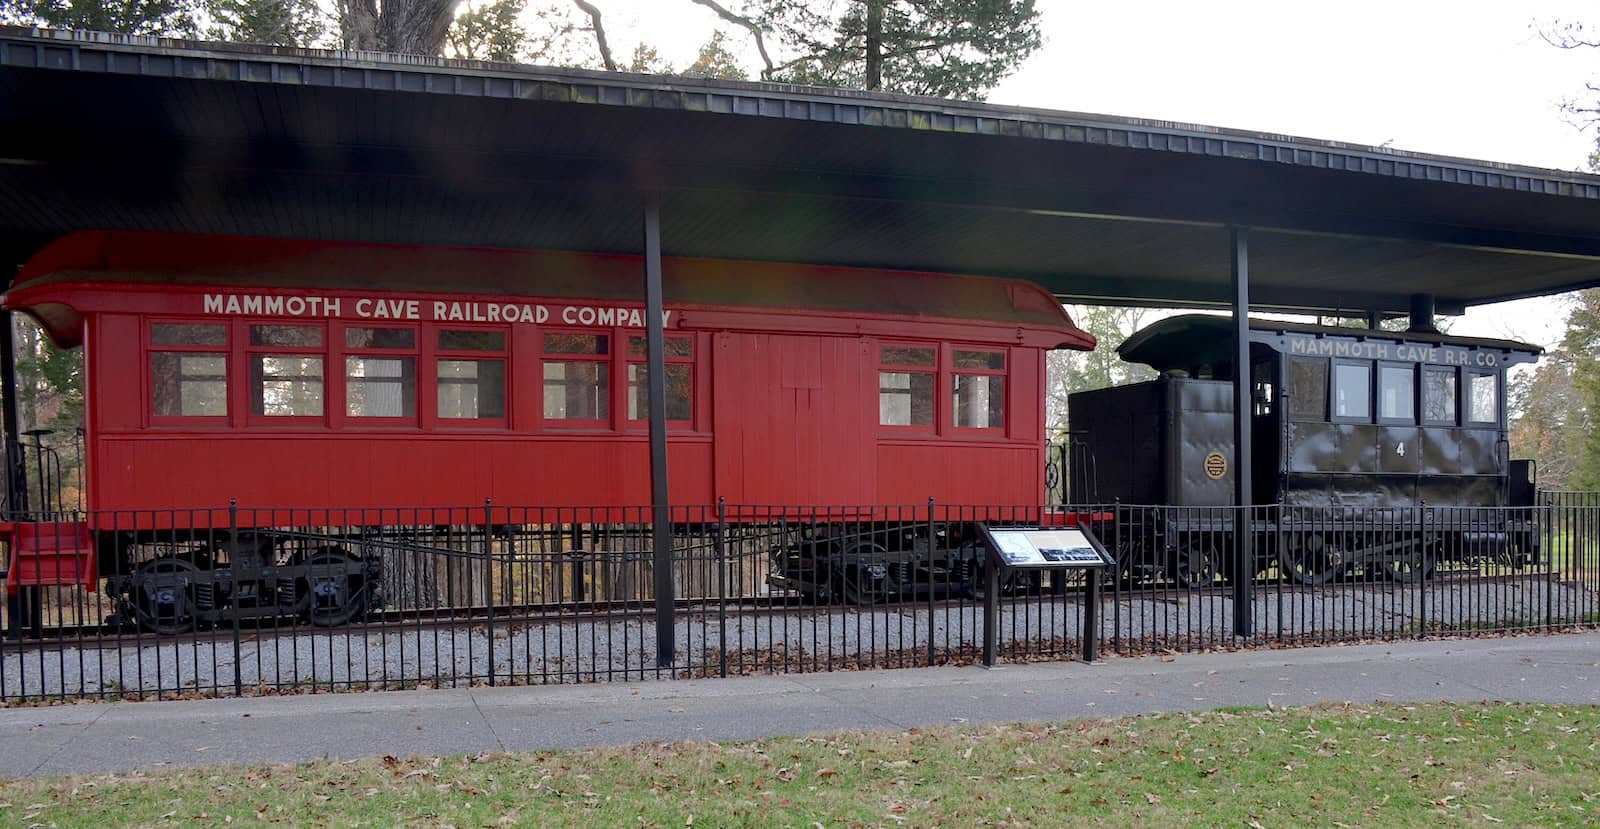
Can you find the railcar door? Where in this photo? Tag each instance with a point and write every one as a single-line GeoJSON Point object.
{"type": "Point", "coordinates": [1266, 424]}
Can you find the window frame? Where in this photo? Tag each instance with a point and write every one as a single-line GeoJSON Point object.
{"type": "Point", "coordinates": [1287, 392]}
{"type": "Point", "coordinates": [229, 374]}
{"type": "Point", "coordinates": [1333, 391]}
{"type": "Point", "coordinates": [935, 371]}
{"type": "Point", "coordinates": [431, 351]}
{"type": "Point", "coordinates": [1465, 392]}
{"type": "Point", "coordinates": [251, 351]}
{"type": "Point", "coordinates": [1004, 373]}
{"type": "Point", "coordinates": [339, 348]}
{"type": "Point", "coordinates": [1454, 372]}
{"type": "Point", "coordinates": [629, 360]}
{"type": "Point", "coordinates": [609, 360]}
{"type": "Point", "coordinates": [1377, 397]}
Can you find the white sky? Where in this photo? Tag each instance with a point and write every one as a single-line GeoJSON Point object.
{"type": "Point", "coordinates": [1468, 78]}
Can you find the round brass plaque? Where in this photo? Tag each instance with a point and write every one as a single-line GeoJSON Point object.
{"type": "Point", "coordinates": [1216, 466]}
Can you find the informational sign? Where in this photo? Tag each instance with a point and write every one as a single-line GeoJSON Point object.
{"type": "Point", "coordinates": [1046, 547]}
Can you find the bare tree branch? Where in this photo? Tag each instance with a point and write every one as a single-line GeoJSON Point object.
{"type": "Point", "coordinates": [599, 32]}
{"type": "Point", "coordinates": [750, 26]}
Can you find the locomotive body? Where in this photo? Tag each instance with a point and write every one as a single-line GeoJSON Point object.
{"type": "Point", "coordinates": [1361, 428]}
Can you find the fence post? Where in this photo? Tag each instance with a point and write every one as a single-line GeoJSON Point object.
{"type": "Point", "coordinates": [931, 553]}
{"type": "Point", "coordinates": [1422, 583]}
{"type": "Point", "coordinates": [488, 579]}
{"type": "Point", "coordinates": [233, 572]}
{"type": "Point", "coordinates": [722, 588]}
{"type": "Point", "coordinates": [1091, 614]}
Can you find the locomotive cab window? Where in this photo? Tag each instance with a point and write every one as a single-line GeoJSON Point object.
{"type": "Point", "coordinates": [1308, 389]}
{"type": "Point", "coordinates": [286, 376]}
{"type": "Point", "coordinates": [906, 381]}
{"type": "Point", "coordinates": [577, 378]}
{"type": "Point", "coordinates": [1483, 397]}
{"type": "Point", "coordinates": [1439, 396]}
{"type": "Point", "coordinates": [1352, 391]}
{"type": "Point", "coordinates": [1397, 394]}
{"type": "Point", "coordinates": [678, 355]}
{"type": "Point", "coordinates": [471, 369]}
{"type": "Point", "coordinates": [978, 394]}
{"type": "Point", "coordinates": [188, 370]}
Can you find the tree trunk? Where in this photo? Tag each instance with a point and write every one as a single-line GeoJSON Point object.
{"type": "Point", "coordinates": [875, 44]}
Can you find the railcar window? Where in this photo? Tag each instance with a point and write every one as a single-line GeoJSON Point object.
{"type": "Point", "coordinates": [677, 352]}
{"type": "Point", "coordinates": [472, 389]}
{"type": "Point", "coordinates": [1397, 393]}
{"type": "Point", "coordinates": [303, 336]}
{"type": "Point", "coordinates": [380, 386]}
{"type": "Point", "coordinates": [1352, 391]}
{"type": "Point", "coordinates": [174, 333]}
{"type": "Point", "coordinates": [978, 401]}
{"type": "Point", "coordinates": [905, 393]}
{"type": "Point", "coordinates": [578, 385]}
{"type": "Point", "coordinates": [1439, 396]}
{"type": "Point", "coordinates": [1483, 398]}
{"type": "Point", "coordinates": [189, 384]}
{"type": "Point", "coordinates": [355, 337]}
{"type": "Point", "coordinates": [286, 385]}
{"type": "Point", "coordinates": [1308, 389]}
{"type": "Point", "coordinates": [459, 340]}
{"type": "Point", "coordinates": [1263, 390]}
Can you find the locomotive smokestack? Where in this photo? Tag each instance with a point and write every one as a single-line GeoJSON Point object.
{"type": "Point", "coordinates": [1422, 314]}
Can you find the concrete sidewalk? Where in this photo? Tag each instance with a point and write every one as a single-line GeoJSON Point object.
{"type": "Point", "coordinates": [120, 736]}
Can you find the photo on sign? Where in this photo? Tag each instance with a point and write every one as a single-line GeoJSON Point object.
{"type": "Point", "coordinates": [1015, 547]}
{"type": "Point", "coordinates": [1064, 546]}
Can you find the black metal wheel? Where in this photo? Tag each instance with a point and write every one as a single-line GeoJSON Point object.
{"type": "Point", "coordinates": [162, 596]}
{"type": "Point", "coordinates": [333, 591]}
{"type": "Point", "coordinates": [1310, 558]}
{"type": "Point", "coordinates": [862, 573]}
{"type": "Point", "coordinates": [1415, 566]}
{"type": "Point", "coordinates": [1194, 563]}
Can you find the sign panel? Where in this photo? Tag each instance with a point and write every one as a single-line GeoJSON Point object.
{"type": "Point", "coordinates": [1040, 547]}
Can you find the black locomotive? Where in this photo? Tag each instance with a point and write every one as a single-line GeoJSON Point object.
{"type": "Point", "coordinates": [1377, 452]}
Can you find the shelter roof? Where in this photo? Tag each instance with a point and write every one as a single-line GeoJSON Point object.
{"type": "Point", "coordinates": [102, 131]}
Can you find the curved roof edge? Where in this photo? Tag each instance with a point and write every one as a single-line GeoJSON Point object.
{"type": "Point", "coordinates": [1194, 337]}
{"type": "Point", "coordinates": [141, 257]}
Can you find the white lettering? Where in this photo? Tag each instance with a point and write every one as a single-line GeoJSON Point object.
{"type": "Point", "coordinates": [364, 307]}
{"type": "Point", "coordinates": [566, 315]}
{"type": "Point", "coordinates": [213, 303]}
{"type": "Point", "coordinates": [295, 306]}
{"type": "Point", "coordinates": [272, 306]}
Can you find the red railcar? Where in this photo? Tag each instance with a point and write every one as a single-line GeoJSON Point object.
{"type": "Point", "coordinates": [291, 373]}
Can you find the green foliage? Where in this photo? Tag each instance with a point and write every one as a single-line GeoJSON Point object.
{"type": "Point", "coordinates": [176, 18]}
{"type": "Point", "coordinates": [647, 61]}
{"type": "Point", "coordinates": [1582, 346]}
{"type": "Point", "coordinates": [945, 48]}
{"type": "Point", "coordinates": [1074, 371]}
{"type": "Point", "coordinates": [715, 61]}
{"type": "Point", "coordinates": [488, 32]}
{"type": "Point", "coordinates": [272, 22]}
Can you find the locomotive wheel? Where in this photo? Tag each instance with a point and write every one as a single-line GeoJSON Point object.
{"type": "Point", "coordinates": [1413, 568]}
{"type": "Point", "coordinates": [329, 594]}
{"type": "Point", "coordinates": [1308, 559]}
{"type": "Point", "coordinates": [163, 598]}
{"type": "Point", "coordinates": [858, 585]}
{"type": "Point", "coordinates": [1194, 565]}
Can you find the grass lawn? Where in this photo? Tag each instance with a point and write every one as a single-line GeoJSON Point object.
{"type": "Point", "coordinates": [1331, 765]}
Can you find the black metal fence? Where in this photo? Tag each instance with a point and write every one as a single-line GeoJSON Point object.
{"type": "Point", "coordinates": [241, 600]}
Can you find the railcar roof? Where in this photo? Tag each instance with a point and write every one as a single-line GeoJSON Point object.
{"type": "Point", "coordinates": [108, 131]}
{"type": "Point", "coordinates": [131, 257]}
{"type": "Point", "coordinates": [1191, 339]}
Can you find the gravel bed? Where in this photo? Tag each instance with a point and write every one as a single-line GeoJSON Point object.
{"type": "Point", "coordinates": [748, 641]}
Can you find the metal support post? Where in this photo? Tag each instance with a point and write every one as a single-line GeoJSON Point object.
{"type": "Point", "coordinates": [991, 615]}
{"type": "Point", "coordinates": [1244, 548]}
{"type": "Point", "coordinates": [1091, 614]}
{"type": "Point", "coordinates": [660, 518]}
{"type": "Point", "coordinates": [16, 464]}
